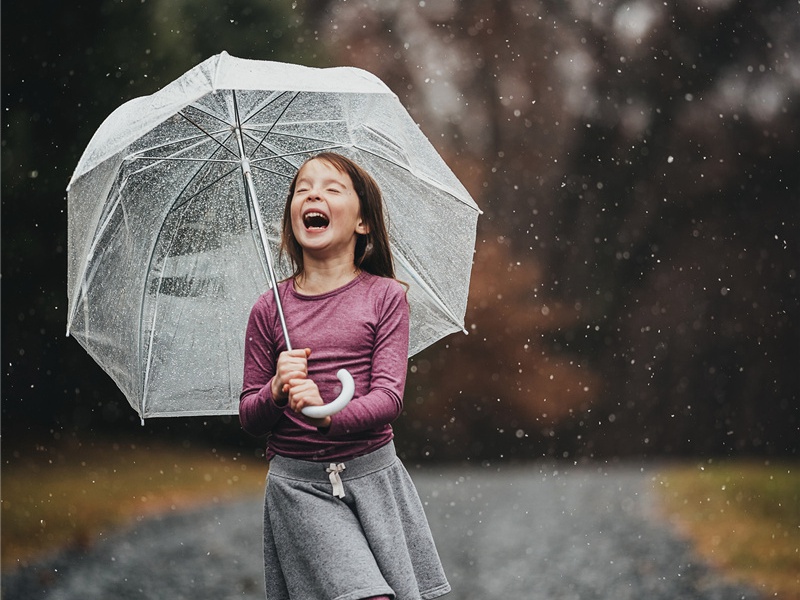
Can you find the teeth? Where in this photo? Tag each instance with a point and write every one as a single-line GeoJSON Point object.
{"type": "Point", "coordinates": [315, 220]}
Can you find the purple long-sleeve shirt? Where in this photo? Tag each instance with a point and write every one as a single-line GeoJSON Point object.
{"type": "Point", "coordinates": [362, 327]}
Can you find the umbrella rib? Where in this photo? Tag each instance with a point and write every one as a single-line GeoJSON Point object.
{"type": "Point", "coordinates": [272, 171]}
{"type": "Point", "coordinates": [427, 289]}
{"type": "Point", "coordinates": [204, 161]}
{"type": "Point", "coordinates": [420, 176]}
{"type": "Point", "coordinates": [267, 105]}
{"type": "Point", "coordinates": [275, 122]}
{"type": "Point", "coordinates": [200, 191]}
{"type": "Point", "coordinates": [155, 316]}
{"type": "Point", "coordinates": [257, 130]}
{"type": "Point", "coordinates": [228, 161]}
{"type": "Point", "coordinates": [255, 162]}
{"type": "Point", "coordinates": [278, 155]}
{"type": "Point", "coordinates": [210, 136]}
{"type": "Point", "coordinates": [149, 268]}
{"type": "Point", "coordinates": [256, 126]}
{"type": "Point", "coordinates": [210, 184]}
{"type": "Point", "coordinates": [203, 138]}
{"type": "Point", "coordinates": [261, 143]}
{"type": "Point", "coordinates": [149, 353]}
{"type": "Point", "coordinates": [201, 109]}
{"type": "Point", "coordinates": [334, 144]}
{"type": "Point", "coordinates": [196, 139]}
{"type": "Point", "coordinates": [102, 225]}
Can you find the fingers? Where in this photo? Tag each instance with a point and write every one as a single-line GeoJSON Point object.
{"type": "Point", "coordinates": [292, 364]}
{"type": "Point", "coordinates": [293, 361]}
{"type": "Point", "coordinates": [295, 357]}
{"type": "Point", "coordinates": [303, 392]}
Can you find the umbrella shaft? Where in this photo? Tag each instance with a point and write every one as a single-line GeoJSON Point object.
{"type": "Point", "coordinates": [273, 279]}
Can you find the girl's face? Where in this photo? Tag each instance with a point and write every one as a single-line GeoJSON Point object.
{"type": "Point", "coordinates": [325, 212]}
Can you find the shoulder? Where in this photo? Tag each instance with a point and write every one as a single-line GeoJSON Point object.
{"type": "Point", "coordinates": [384, 287]}
{"type": "Point", "coordinates": [265, 304]}
{"type": "Point", "coordinates": [264, 301]}
{"type": "Point", "coordinates": [387, 298]}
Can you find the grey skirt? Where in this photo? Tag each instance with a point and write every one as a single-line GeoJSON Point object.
{"type": "Point", "coordinates": [370, 539]}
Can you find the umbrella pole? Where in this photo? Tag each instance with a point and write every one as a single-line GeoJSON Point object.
{"type": "Point", "coordinates": [262, 234]}
{"type": "Point", "coordinates": [344, 376]}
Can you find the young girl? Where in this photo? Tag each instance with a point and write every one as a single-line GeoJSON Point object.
{"type": "Point", "coordinates": [342, 519]}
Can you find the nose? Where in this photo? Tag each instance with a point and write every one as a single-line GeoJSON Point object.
{"type": "Point", "coordinates": [312, 193]}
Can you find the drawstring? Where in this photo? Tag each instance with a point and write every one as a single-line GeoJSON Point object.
{"type": "Point", "coordinates": [336, 481]}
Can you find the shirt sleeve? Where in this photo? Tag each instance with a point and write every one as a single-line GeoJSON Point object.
{"type": "Point", "coordinates": [258, 412]}
{"type": "Point", "coordinates": [383, 403]}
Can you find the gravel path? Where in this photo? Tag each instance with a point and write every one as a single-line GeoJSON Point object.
{"type": "Point", "coordinates": [509, 532]}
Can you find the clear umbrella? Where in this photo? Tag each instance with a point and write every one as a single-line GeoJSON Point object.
{"type": "Point", "coordinates": [179, 196]}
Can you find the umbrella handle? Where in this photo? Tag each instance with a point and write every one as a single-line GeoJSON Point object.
{"type": "Point", "coordinates": [331, 408]}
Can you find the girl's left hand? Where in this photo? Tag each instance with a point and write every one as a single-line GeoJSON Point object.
{"type": "Point", "coordinates": [304, 392]}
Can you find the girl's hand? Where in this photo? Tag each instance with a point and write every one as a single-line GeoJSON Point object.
{"type": "Point", "coordinates": [292, 364]}
{"type": "Point", "coordinates": [304, 392]}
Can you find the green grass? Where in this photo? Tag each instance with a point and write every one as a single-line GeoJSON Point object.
{"type": "Point", "coordinates": [743, 517]}
{"type": "Point", "coordinates": [68, 496]}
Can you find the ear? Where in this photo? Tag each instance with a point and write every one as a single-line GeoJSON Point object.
{"type": "Point", "coordinates": [362, 227]}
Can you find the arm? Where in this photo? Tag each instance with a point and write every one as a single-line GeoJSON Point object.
{"type": "Point", "coordinates": [259, 410]}
{"type": "Point", "coordinates": [389, 357]}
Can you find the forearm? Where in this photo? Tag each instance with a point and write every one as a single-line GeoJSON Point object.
{"type": "Point", "coordinates": [258, 410]}
{"type": "Point", "coordinates": [376, 409]}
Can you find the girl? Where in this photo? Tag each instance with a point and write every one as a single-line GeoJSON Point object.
{"type": "Point", "coordinates": [342, 519]}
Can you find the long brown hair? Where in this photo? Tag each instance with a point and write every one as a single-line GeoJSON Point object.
{"type": "Point", "coordinates": [372, 253]}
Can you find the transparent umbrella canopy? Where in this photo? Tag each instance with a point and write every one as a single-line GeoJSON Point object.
{"type": "Point", "coordinates": [174, 215]}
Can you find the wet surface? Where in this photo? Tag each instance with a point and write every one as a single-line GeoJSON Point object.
{"type": "Point", "coordinates": [502, 532]}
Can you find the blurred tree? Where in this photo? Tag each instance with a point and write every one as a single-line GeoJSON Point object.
{"type": "Point", "coordinates": [681, 208]}
{"type": "Point", "coordinates": [638, 160]}
{"type": "Point", "coordinates": [62, 75]}
{"type": "Point", "coordinates": [635, 284]}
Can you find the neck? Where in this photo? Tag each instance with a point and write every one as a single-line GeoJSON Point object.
{"type": "Point", "coordinates": [320, 279]}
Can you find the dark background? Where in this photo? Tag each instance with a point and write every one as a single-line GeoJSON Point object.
{"type": "Point", "coordinates": [635, 290]}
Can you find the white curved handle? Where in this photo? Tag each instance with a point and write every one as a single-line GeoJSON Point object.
{"type": "Point", "coordinates": [331, 408]}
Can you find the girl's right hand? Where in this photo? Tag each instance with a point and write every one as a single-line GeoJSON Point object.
{"type": "Point", "coordinates": [292, 364]}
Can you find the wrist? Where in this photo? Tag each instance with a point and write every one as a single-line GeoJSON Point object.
{"type": "Point", "coordinates": [279, 399]}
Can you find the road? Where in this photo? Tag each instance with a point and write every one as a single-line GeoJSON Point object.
{"type": "Point", "coordinates": [550, 532]}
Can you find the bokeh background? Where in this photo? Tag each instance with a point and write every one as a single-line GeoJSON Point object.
{"type": "Point", "coordinates": [635, 288]}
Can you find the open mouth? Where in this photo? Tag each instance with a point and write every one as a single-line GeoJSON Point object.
{"type": "Point", "coordinates": [315, 220]}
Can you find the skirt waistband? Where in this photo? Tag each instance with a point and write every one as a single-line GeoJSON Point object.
{"type": "Point", "coordinates": [304, 470]}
